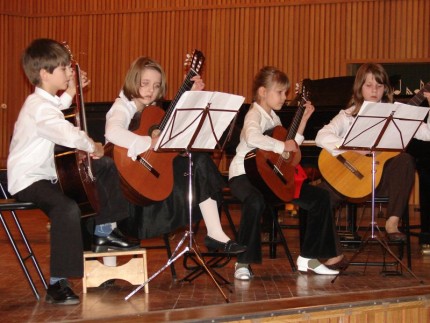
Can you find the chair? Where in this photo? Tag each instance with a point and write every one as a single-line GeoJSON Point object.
{"type": "Point", "coordinates": [276, 234]}
{"type": "Point", "coordinates": [379, 202]}
{"type": "Point", "coordinates": [7, 204]}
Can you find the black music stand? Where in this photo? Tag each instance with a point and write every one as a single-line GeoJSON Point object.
{"type": "Point", "coordinates": [382, 127]}
{"type": "Point", "coordinates": [196, 129]}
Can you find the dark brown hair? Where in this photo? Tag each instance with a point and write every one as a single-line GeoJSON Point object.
{"type": "Point", "coordinates": [45, 54]}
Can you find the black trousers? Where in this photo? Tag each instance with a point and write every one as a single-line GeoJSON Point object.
{"type": "Point", "coordinates": [172, 213]}
{"type": "Point", "coordinates": [65, 215]}
{"type": "Point", "coordinates": [320, 241]}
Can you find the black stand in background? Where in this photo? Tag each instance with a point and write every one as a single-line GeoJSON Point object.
{"type": "Point", "coordinates": [420, 150]}
{"type": "Point", "coordinates": [366, 127]}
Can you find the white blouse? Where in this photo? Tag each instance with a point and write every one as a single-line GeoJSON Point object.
{"type": "Point", "coordinates": [118, 120]}
{"type": "Point", "coordinates": [257, 122]}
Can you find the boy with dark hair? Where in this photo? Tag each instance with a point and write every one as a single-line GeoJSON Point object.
{"type": "Point", "coordinates": [32, 174]}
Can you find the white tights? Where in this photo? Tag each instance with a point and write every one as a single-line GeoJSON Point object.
{"type": "Point", "coordinates": [209, 209]}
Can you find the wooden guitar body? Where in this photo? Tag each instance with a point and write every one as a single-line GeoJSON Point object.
{"type": "Point", "coordinates": [149, 178]}
{"type": "Point", "coordinates": [75, 182]}
{"type": "Point", "coordinates": [271, 173]}
{"type": "Point", "coordinates": [350, 173]}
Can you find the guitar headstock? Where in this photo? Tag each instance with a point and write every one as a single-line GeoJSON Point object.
{"type": "Point", "coordinates": [302, 93]}
{"type": "Point", "coordinates": [67, 47]}
{"type": "Point", "coordinates": [194, 61]}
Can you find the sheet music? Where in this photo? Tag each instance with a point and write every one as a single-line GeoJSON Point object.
{"type": "Point", "coordinates": [188, 112]}
{"type": "Point", "coordinates": [372, 118]}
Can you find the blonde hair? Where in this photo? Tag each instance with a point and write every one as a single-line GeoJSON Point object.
{"type": "Point", "coordinates": [267, 77]}
{"type": "Point", "coordinates": [132, 79]}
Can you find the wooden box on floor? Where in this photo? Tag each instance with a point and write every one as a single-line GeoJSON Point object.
{"type": "Point", "coordinates": [134, 271]}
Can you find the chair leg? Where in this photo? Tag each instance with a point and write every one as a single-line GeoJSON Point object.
{"type": "Point", "coordinates": [406, 229]}
{"type": "Point", "coordinates": [22, 259]}
{"type": "Point", "coordinates": [276, 234]}
{"type": "Point", "coordinates": [169, 255]}
{"type": "Point", "coordinates": [273, 236]}
{"type": "Point", "coordinates": [230, 220]}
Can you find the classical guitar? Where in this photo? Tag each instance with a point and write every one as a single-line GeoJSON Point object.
{"type": "Point", "coordinates": [149, 178]}
{"type": "Point", "coordinates": [350, 173]}
{"type": "Point", "coordinates": [274, 173]}
{"type": "Point", "coordinates": [73, 166]}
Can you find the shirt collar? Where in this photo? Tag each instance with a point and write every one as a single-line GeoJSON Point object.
{"type": "Point", "coordinates": [260, 108]}
{"type": "Point", "coordinates": [53, 98]}
{"type": "Point", "coordinates": [129, 103]}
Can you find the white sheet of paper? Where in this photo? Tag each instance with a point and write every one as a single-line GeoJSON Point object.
{"type": "Point", "coordinates": [371, 119]}
{"type": "Point", "coordinates": [187, 114]}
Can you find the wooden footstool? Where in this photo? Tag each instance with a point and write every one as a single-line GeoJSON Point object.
{"type": "Point", "coordinates": [96, 273]}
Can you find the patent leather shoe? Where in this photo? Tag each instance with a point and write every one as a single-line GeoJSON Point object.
{"type": "Point", "coordinates": [230, 247]}
{"type": "Point", "coordinates": [396, 236]}
{"type": "Point", "coordinates": [305, 264]}
{"type": "Point", "coordinates": [60, 293]}
{"type": "Point", "coordinates": [114, 241]}
{"type": "Point", "coordinates": [340, 265]}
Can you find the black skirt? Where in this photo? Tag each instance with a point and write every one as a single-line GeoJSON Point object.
{"type": "Point", "coordinates": [173, 213]}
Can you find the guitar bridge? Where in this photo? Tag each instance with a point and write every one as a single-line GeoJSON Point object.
{"type": "Point", "coordinates": [276, 171]}
{"type": "Point", "coordinates": [350, 167]}
{"type": "Point", "coordinates": [148, 166]}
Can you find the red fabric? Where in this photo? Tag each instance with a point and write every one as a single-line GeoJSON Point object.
{"type": "Point", "coordinates": [299, 178]}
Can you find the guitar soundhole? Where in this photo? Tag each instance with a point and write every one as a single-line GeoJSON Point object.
{"type": "Point", "coordinates": [152, 129]}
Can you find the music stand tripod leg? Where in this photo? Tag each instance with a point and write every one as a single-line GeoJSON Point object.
{"type": "Point", "coordinates": [171, 260]}
{"type": "Point", "coordinates": [190, 247]}
{"type": "Point", "coordinates": [372, 236]}
{"type": "Point", "coordinates": [387, 248]}
{"type": "Point", "coordinates": [191, 238]}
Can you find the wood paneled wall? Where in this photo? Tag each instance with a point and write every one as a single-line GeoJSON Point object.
{"type": "Point", "coordinates": [306, 38]}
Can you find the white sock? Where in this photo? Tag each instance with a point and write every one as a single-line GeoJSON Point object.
{"type": "Point", "coordinates": [210, 214]}
{"type": "Point", "coordinates": [109, 261]}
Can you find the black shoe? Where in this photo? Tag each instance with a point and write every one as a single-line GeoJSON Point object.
{"type": "Point", "coordinates": [61, 294]}
{"type": "Point", "coordinates": [230, 247]}
{"type": "Point", "coordinates": [396, 237]}
{"type": "Point", "coordinates": [115, 240]}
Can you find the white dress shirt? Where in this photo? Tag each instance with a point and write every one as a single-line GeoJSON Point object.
{"type": "Point", "coordinates": [118, 120]}
{"type": "Point", "coordinates": [41, 125]}
{"type": "Point", "coordinates": [257, 122]}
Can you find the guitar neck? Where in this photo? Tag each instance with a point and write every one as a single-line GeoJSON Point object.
{"type": "Point", "coordinates": [186, 86]}
{"type": "Point", "coordinates": [80, 100]}
{"type": "Point", "coordinates": [296, 122]}
{"type": "Point", "coordinates": [419, 97]}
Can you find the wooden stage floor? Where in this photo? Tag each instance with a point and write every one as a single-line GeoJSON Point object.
{"type": "Point", "coordinates": [274, 291]}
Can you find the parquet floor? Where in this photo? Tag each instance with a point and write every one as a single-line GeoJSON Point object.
{"type": "Point", "coordinates": [274, 288]}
